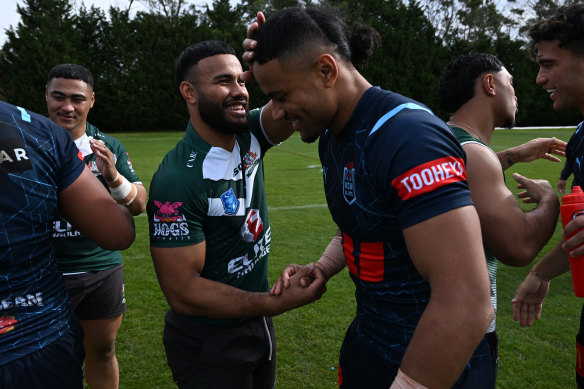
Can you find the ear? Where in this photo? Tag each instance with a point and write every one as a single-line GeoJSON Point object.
{"type": "Point", "coordinates": [488, 84]}
{"type": "Point", "coordinates": [92, 100]}
{"type": "Point", "coordinates": [188, 92]}
{"type": "Point", "coordinates": [327, 69]}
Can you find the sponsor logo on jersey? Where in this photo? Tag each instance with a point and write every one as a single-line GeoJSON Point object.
{"type": "Point", "coordinates": [230, 202]}
{"type": "Point", "coordinates": [30, 300]}
{"type": "Point", "coordinates": [349, 183]}
{"type": "Point", "coordinates": [250, 159]}
{"type": "Point", "coordinates": [241, 266]}
{"type": "Point", "coordinates": [7, 324]}
{"type": "Point", "coordinates": [13, 156]}
{"type": "Point", "coordinates": [64, 229]}
{"type": "Point", "coordinates": [168, 221]}
{"type": "Point", "coordinates": [252, 226]}
{"type": "Point", "coordinates": [429, 176]}
{"type": "Point", "coordinates": [192, 158]}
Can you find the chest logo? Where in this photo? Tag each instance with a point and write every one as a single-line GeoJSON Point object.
{"type": "Point", "coordinates": [230, 202]}
{"type": "Point", "coordinates": [349, 183]}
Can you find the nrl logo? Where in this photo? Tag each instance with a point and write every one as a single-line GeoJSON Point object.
{"type": "Point", "coordinates": [230, 202]}
{"type": "Point", "coordinates": [349, 183]}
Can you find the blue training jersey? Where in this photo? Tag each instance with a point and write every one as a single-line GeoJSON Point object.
{"type": "Point", "coordinates": [37, 160]}
{"type": "Point", "coordinates": [392, 166]}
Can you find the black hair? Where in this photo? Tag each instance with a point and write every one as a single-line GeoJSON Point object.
{"type": "Point", "coordinates": [71, 71]}
{"type": "Point", "coordinates": [295, 29]}
{"type": "Point", "coordinates": [457, 84]}
{"type": "Point", "coordinates": [566, 24]}
{"type": "Point", "coordinates": [191, 56]}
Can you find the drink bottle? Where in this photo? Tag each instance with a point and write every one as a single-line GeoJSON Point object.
{"type": "Point", "coordinates": [573, 206]}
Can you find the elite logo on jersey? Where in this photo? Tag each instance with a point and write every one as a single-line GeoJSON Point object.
{"type": "Point", "coordinates": [13, 156]}
{"type": "Point", "coordinates": [230, 202]}
{"type": "Point", "coordinates": [252, 226]}
{"type": "Point", "coordinates": [349, 183]}
{"type": "Point", "coordinates": [429, 176]}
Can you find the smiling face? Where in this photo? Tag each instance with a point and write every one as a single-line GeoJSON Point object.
{"type": "Point", "coordinates": [561, 73]}
{"type": "Point", "coordinates": [299, 94]}
{"type": "Point", "coordinates": [221, 96]}
{"type": "Point", "coordinates": [68, 103]}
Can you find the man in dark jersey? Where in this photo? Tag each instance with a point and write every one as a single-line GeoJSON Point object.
{"type": "Point", "coordinates": [557, 44]}
{"type": "Point", "coordinates": [42, 175]}
{"type": "Point", "coordinates": [93, 275]}
{"type": "Point", "coordinates": [478, 92]}
{"type": "Point", "coordinates": [394, 178]}
{"type": "Point", "coordinates": [210, 233]}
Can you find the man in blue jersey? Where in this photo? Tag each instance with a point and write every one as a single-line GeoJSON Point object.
{"type": "Point", "coordinates": [557, 44]}
{"type": "Point", "coordinates": [93, 275]}
{"type": "Point", "coordinates": [477, 90]}
{"type": "Point", "coordinates": [42, 175]}
{"type": "Point", "coordinates": [394, 178]}
{"type": "Point", "coordinates": [210, 235]}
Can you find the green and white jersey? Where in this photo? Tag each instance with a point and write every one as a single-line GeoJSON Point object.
{"type": "Point", "coordinates": [205, 193]}
{"type": "Point", "coordinates": [492, 261]}
{"type": "Point", "coordinates": [75, 253]}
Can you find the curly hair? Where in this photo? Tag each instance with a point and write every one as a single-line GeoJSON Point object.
{"type": "Point", "coordinates": [565, 25]}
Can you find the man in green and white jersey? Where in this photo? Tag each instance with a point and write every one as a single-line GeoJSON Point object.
{"type": "Point", "coordinates": [210, 234]}
{"type": "Point", "coordinates": [93, 276]}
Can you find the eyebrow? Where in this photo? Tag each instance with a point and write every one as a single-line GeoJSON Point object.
{"type": "Point", "coordinates": [74, 95]}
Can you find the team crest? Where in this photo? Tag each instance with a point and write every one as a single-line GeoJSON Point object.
{"type": "Point", "coordinates": [230, 202]}
{"type": "Point", "coordinates": [168, 212]}
{"type": "Point", "coordinates": [349, 183]}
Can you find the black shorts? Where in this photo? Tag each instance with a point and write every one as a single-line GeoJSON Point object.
{"type": "Point", "coordinates": [361, 368]}
{"type": "Point", "coordinates": [56, 366]}
{"type": "Point", "coordinates": [240, 355]}
{"type": "Point", "coordinates": [97, 294]}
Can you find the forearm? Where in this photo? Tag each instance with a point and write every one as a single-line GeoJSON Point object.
{"type": "Point", "coordinates": [440, 348]}
{"type": "Point", "coordinates": [507, 157]}
{"type": "Point", "coordinates": [138, 206]}
{"type": "Point", "coordinates": [333, 258]}
{"type": "Point", "coordinates": [553, 264]}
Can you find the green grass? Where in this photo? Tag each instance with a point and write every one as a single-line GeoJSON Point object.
{"type": "Point", "coordinates": [309, 338]}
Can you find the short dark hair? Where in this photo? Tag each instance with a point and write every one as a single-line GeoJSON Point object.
{"type": "Point", "coordinates": [458, 81]}
{"type": "Point", "coordinates": [566, 25]}
{"type": "Point", "coordinates": [294, 29]}
{"type": "Point", "coordinates": [71, 71]}
{"type": "Point", "coordinates": [191, 56]}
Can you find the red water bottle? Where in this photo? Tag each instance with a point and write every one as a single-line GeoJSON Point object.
{"type": "Point", "coordinates": [573, 206]}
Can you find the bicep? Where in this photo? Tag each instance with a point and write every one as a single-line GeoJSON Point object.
{"type": "Point", "coordinates": [88, 206]}
{"type": "Point", "coordinates": [447, 250]}
{"type": "Point", "coordinates": [176, 267]}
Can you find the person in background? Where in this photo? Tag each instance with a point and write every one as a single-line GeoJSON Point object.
{"type": "Point", "coordinates": [478, 92]}
{"type": "Point", "coordinates": [93, 274]}
{"type": "Point", "coordinates": [557, 44]}
{"type": "Point", "coordinates": [43, 176]}
{"type": "Point", "coordinates": [210, 234]}
{"type": "Point", "coordinates": [395, 184]}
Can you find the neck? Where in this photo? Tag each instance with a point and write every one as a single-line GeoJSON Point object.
{"type": "Point", "coordinates": [78, 132]}
{"type": "Point", "coordinates": [214, 137]}
{"type": "Point", "coordinates": [352, 89]}
{"type": "Point", "coordinates": [482, 132]}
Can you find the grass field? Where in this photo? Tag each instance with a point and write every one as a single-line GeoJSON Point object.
{"type": "Point", "coordinates": [309, 338]}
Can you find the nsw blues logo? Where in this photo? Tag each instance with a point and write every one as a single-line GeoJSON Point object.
{"type": "Point", "coordinates": [230, 202]}
{"type": "Point", "coordinates": [349, 183]}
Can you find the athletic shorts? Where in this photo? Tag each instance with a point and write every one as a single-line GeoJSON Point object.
{"type": "Point", "coordinates": [580, 353]}
{"type": "Point", "coordinates": [97, 294]}
{"type": "Point", "coordinates": [359, 367]}
{"type": "Point", "coordinates": [56, 366]}
{"type": "Point", "coordinates": [201, 355]}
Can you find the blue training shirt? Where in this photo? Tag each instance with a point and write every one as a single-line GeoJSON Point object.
{"type": "Point", "coordinates": [37, 160]}
{"type": "Point", "coordinates": [393, 165]}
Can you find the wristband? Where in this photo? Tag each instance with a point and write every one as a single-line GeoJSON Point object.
{"type": "Point", "coordinates": [402, 381]}
{"type": "Point", "coordinates": [123, 190]}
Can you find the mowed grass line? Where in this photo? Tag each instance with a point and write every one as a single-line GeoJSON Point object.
{"type": "Point", "coordinates": [309, 338]}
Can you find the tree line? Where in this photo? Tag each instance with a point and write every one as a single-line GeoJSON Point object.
{"type": "Point", "coordinates": [132, 58]}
